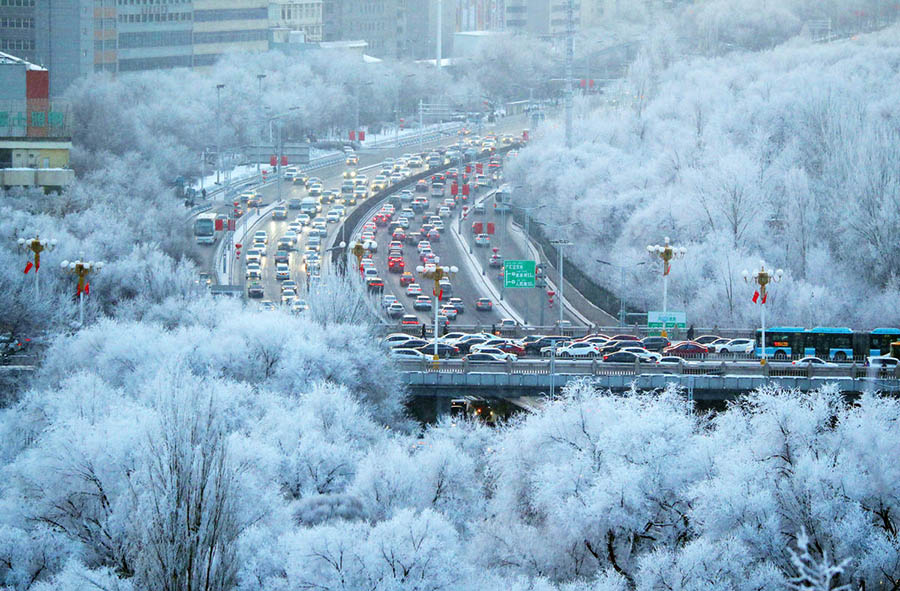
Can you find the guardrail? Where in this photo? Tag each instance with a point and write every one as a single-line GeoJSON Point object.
{"type": "Point", "coordinates": [599, 368]}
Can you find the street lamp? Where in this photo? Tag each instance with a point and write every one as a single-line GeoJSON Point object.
{"type": "Point", "coordinates": [436, 273]}
{"type": "Point", "coordinates": [279, 147]}
{"type": "Point", "coordinates": [666, 253]}
{"type": "Point", "coordinates": [36, 245]}
{"type": "Point", "coordinates": [219, 88]}
{"type": "Point", "coordinates": [621, 286]}
{"type": "Point", "coordinates": [82, 269]}
{"type": "Point", "coordinates": [356, 95]}
{"type": "Point", "coordinates": [762, 278]}
{"type": "Point", "coordinates": [560, 244]}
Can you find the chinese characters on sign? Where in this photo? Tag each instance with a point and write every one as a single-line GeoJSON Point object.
{"type": "Point", "coordinates": [518, 273]}
{"type": "Point", "coordinates": [33, 119]}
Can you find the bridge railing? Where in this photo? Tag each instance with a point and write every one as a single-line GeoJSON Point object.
{"type": "Point", "coordinates": [598, 368]}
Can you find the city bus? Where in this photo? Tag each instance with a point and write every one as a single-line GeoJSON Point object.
{"type": "Point", "coordinates": [503, 199]}
{"type": "Point", "coordinates": [205, 228]}
{"type": "Point", "coordinates": [831, 343]}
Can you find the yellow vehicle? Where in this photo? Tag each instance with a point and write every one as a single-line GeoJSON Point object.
{"type": "Point", "coordinates": [895, 349]}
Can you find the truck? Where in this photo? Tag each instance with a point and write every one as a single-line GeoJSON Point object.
{"type": "Point", "coordinates": [205, 228]}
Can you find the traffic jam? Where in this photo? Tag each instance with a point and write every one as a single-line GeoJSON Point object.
{"type": "Point", "coordinates": [405, 241]}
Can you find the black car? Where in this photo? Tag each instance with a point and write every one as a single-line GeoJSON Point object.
{"type": "Point", "coordinates": [444, 349]}
{"type": "Point", "coordinates": [255, 290]}
{"type": "Point", "coordinates": [467, 345]}
{"type": "Point", "coordinates": [414, 343]}
{"type": "Point", "coordinates": [655, 343]}
{"type": "Point", "coordinates": [620, 357]}
{"type": "Point", "coordinates": [544, 341]}
{"type": "Point", "coordinates": [613, 346]}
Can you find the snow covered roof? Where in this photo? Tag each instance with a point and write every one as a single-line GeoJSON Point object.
{"type": "Point", "coordinates": [6, 58]}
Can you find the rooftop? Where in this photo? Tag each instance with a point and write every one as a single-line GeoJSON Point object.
{"type": "Point", "coordinates": [8, 59]}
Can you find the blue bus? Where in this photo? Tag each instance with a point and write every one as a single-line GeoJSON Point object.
{"type": "Point", "coordinates": [831, 343]}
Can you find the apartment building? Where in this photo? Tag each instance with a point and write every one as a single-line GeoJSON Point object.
{"type": "Point", "coordinates": [150, 36]}
{"type": "Point", "coordinates": [222, 26]}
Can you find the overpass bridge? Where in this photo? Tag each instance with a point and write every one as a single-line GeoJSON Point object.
{"type": "Point", "coordinates": [710, 382]}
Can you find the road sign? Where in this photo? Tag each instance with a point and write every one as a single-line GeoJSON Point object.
{"type": "Point", "coordinates": [667, 320]}
{"type": "Point", "coordinates": [518, 274]}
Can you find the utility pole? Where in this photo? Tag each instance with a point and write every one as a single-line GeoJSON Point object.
{"type": "Point", "coordinates": [259, 148]}
{"type": "Point", "coordinates": [440, 33]}
{"type": "Point", "coordinates": [560, 244]}
{"type": "Point", "coordinates": [219, 88]}
{"type": "Point", "coordinates": [570, 53]}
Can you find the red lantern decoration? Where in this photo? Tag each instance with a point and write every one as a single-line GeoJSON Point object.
{"type": "Point", "coordinates": [362, 136]}
{"type": "Point", "coordinates": [478, 227]}
{"type": "Point", "coordinates": [454, 188]}
{"type": "Point", "coordinates": [490, 227]}
{"type": "Point", "coordinates": [352, 136]}
{"type": "Point", "coordinates": [465, 189]}
{"type": "Point", "coordinates": [284, 160]}
{"type": "Point", "coordinates": [220, 224]}
{"type": "Point", "coordinates": [468, 169]}
{"type": "Point", "coordinates": [479, 167]}
{"type": "Point", "coordinates": [232, 224]}
{"type": "Point", "coordinates": [273, 161]}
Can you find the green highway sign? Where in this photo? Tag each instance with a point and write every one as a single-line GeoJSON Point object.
{"type": "Point", "coordinates": [518, 273]}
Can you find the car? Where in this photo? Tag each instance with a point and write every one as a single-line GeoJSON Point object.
{"type": "Point", "coordinates": [255, 290]}
{"type": "Point", "coordinates": [448, 311]}
{"type": "Point", "coordinates": [282, 272]}
{"type": "Point", "coordinates": [395, 264]}
{"type": "Point", "coordinates": [254, 256]}
{"type": "Point", "coordinates": [810, 360]}
{"type": "Point", "coordinates": [397, 339]}
{"type": "Point", "coordinates": [298, 306]}
{"type": "Point", "coordinates": [582, 349]}
{"type": "Point", "coordinates": [284, 243]}
{"type": "Point", "coordinates": [444, 349]}
{"type": "Point", "coordinates": [253, 272]}
{"type": "Point", "coordinates": [279, 213]}
{"type": "Point", "coordinates": [387, 300]}
{"type": "Point", "coordinates": [686, 349]}
{"type": "Point", "coordinates": [494, 351]}
{"type": "Point", "coordinates": [351, 159]}
{"type": "Point", "coordinates": [433, 235]}
{"type": "Point", "coordinates": [289, 284]}
{"type": "Point", "coordinates": [332, 217]}
{"type": "Point", "coordinates": [422, 302]}
{"type": "Point", "coordinates": [413, 289]}
{"type": "Point", "coordinates": [706, 339]}
{"type": "Point", "coordinates": [482, 240]}
{"type": "Point", "coordinates": [303, 218]}
{"type": "Point", "coordinates": [458, 304]}
{"type": "Point", "coordinates": [478, 208]}
{"type": "Point", "coordinates": [484, 305]}
{"type": "Point", "coordinates": [672, 360]}
{"type": "Point", "coordinates": [484, 357]}
{"type": "Point", "coordinates": [261, 236]}
{"type": "Point", "coordinates": [282, 257]}
{"type": "Point", "coordinates": [645, 355]}
{"type": "Point", "coordinates": [409, 320]}
{"type": "Point", "coordinates": [294, 203]}
{"type": "Point", "coordinates": [496, 260]}
{"type": "Point", "coordinates": [405, 354]}
{"type": "Point", "coordinates": [747, 346]}
{"type": "Point", "coordinates": [884, 363]}
{"type": "Point", "coordinates": [375, 284]}
{"type": "Point", "coordinates": [621, 357]}
{"type": "Point", "coordinates": [288, 296]}
{"type": "Point", "coordinates": [395, 310]}
{"type": "Point", "coordinates": [655, 343]}
{"type": "Point", "coordinates": [268, 305]}
{"type": "Point", "coordinates": [538, 344]}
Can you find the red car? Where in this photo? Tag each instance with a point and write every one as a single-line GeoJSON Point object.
{"type": "Point", "coordinates": [396, 264]}
{"type": "Point", "coordinates": [407, 278]}
{"type": "Point", "coordinates": [380, 219]}
{"type": "Point", "coordinates": [686, 349]}
{"type": "Point", "coordinates": [433, 235]}
{"type": "Point", "coordinates": [512, 348]}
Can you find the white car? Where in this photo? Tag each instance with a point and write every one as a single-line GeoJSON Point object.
{"type": "Point", "coordinates": [254, 272]}
{"type": "Point", "coordinates": [254, 256]}
{"type": "Point", "coordinates": [303, 219]}
{"type": "Point", "coordinates": [288, 296]}
{"type": "Point", "coordinates": [409, 354]}
{"type": "Point", "coordinates": [645, 355]}
{"type": "Point", "coordinates": [814, 361]}
{"type": "Point", "coordinates": [282, 272]}
{"type": "Point", "coordinates": [482, 239]}
{"type": "Point", "coordinates": [882, 362]}
{"type": "Point", "coordinates": [584, 350]}
{"type": "Point", "coordinates": [396, 339]}
{"type": "Point", "coordinates": [495, 351]}
{"type": "Point", "coordinates": [387, 300]}
{"type": "Point", "coordinates": [370, 245]}
{"type": "Point", "coordinates": [736, 346]}
{"type": "Point", "coordinates": [261, 236]}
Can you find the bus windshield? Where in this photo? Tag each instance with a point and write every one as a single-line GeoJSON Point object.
{"type": "Point", "coordinates": [204, 227]}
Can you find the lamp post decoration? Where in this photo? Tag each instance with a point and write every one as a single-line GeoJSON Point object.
{"type": "Point", "coordinates": [436, 274]}
{"type": "Point", "coordinates": [762, 278]}
{"type": "Point", "coordinates": [36, 245]}
{"type": "Point", "coordinates": [666, 252]}
{"type": "Point", "coordinates": [82, 269]}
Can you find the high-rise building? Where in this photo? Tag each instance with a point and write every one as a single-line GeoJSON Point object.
{"type": "Point", "coordinates": [542, 18]}
{"type": "Point", "coordinates": [17, 28]}
{"type": "Point", "coordinates": [150, 36]}
{"type": "Point", "coordinates": [479, 15]}
{"type": "Point", "coordinates": [298, 15]}
{"type": "Point", "coordinates": [222, 26]}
